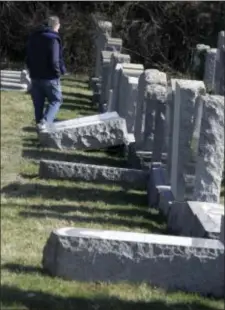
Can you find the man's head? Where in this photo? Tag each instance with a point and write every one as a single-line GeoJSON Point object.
{"type": "Point", "coordinates": [53, 23]}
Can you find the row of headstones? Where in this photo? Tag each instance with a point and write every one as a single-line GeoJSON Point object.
{"type": "Point", "coordinates": [180, 118]}
{"type": "Point", "coordinates": [142, 99]}
{"type": "Point", "coordinates": [208, 65]}
{"type": "Point", "coordinates": [15, 80]}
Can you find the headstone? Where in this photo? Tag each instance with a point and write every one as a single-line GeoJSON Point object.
{"type": "Point", "coordinates": [50, 169]}
{"type": "Point", "coordinates": [222, 230]}
{"type": "Point", "coordinates": [93, 132]}
{"type": "Point", "coordinates": [105, 61]}
{"type": "Point", "coordinates": [199, 60]}
{"type": "Point", "coordinates": [148, 77]}
{"type": "Point", "coordinates": [124, 69]}
{"type": "Point", "coordinates": [103, 31]}
{"type": "Point", "coordinates": [154, 134]}
{"type": "Point", "coordinates": [170, 118]}
{"type": "Point", "coordinates": [185, 98]}
{"type": "Point", "coordinates": [113, 44]}
{"type": "Point", "coordinates": [127, 103]}
{"type": "Point", "coordinates": [210, 162]}
{"type": "Point", "coordinates": [209, 70]}
{"type": "Point", "coordinates": [220, 63]}
{"type": "Point", "coordinates": [167, 262]}
{"type": "Point", "coordinates": [115, 59]}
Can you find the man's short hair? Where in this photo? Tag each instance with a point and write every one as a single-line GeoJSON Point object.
{"type": "Point", "coordinates": [52, 21]}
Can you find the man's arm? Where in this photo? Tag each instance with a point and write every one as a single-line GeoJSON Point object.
{"type": "Point", "coordinates": [55, 57]}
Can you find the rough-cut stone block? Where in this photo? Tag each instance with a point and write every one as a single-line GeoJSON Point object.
{"type": "Point", "coordinates": [92, 173]}
{"type": "Point", "coordinates": [91, 132]}
{"type": "Point", "coordinates": [185, 98]}
{"type": "Point", "coordinates": [210, 161]}
{"type": "Point", "coordinates": [196, 219]}
{"type": "Point", "coordinates": [171, 263]}
{"type": "Point", "coordinates": [209, 70]}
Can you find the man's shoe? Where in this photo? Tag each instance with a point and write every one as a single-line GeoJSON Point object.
{"type": "Point", "coordinates": [41, 127]}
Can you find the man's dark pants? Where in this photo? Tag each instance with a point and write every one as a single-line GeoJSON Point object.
{"type": "Point", "coordinates": [42, 89]}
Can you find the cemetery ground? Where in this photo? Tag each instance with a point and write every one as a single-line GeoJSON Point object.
{"type": "Point", "coordinates": [31, 208]}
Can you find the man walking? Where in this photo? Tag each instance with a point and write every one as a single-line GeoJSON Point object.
{"type": "Point", "coordinates": [45, 64]}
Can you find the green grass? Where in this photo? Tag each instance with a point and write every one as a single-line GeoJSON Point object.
{"type": "Point", "coordinates": [31, 208]}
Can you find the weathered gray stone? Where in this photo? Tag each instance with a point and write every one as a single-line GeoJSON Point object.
{"type": "Point", "coordinates": [185, 98]}
{"type": "Point", "coordinates": [209, 70]}
{"type": "Point", "coordinates": [162, 261]}
{"type": "Point", "coordinates": [196, 219]}
{"type": "Point", "coordinates": [91, 132]}
{"type": "Point", "coordinates": [148, 77]}
{"type": "Point", "coordinates": [210, 160]}
{"type": "Point", "coordinates": [137, 179]}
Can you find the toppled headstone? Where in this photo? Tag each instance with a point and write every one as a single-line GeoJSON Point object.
{"type": "Point", "coordinates": [196, 219]}
{"type": "Point", "coordinates": [91, 132]}
{"type": "Point", "coordinates": [137, 179]}
{"type": "Point", "coordinates": [169, 262]}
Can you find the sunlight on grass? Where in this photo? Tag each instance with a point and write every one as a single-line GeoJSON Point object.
{"type": "Point", "coordinates": [31, 208]}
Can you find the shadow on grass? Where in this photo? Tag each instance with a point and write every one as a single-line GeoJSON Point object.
{"type": "Point", "coordinates": [39, 300]}
{"type": "Point", "coordinates": [22, 269]}
{"type": "Point", "coordinates": [38, 154]}
{"type": "Point", "coordinates": [78, 96]}
{"type": "Point", "coordinates": [76, 193]}
{"type": "Point", "coordinates": [151, 225]}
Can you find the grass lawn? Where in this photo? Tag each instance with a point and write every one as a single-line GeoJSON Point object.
{"type": "Point", "coordinates": [31, 208]}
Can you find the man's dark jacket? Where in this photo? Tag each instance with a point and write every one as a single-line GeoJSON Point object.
{"type": "Point", "coordinates": [44, 57]}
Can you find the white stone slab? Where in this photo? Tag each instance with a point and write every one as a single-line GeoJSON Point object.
{"type": "Point", "coordinates": [90, 134]}
{"type": "Point", "coordinates": [162, 261]}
